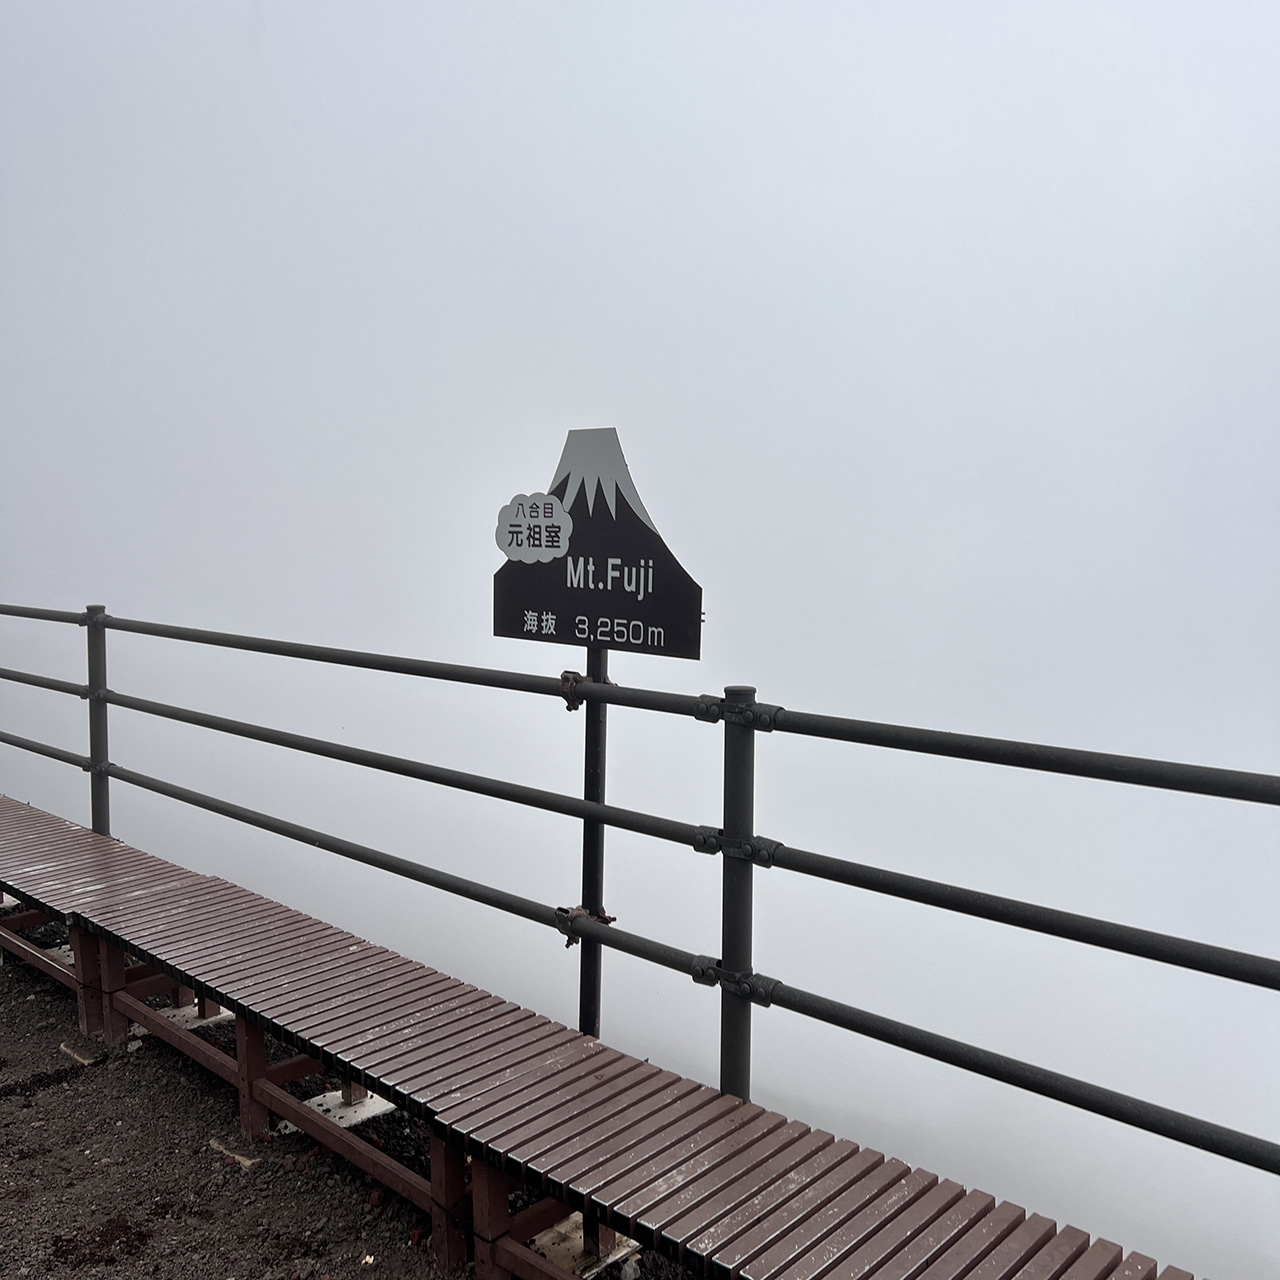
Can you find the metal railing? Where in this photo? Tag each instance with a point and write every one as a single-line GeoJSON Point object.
{"type": "Point", "coordinates": [735, 841]}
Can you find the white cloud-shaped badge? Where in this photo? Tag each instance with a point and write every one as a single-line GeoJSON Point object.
{"type": "Point", "coordinates": [533, 528]}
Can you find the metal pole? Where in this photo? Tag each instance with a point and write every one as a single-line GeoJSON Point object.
{"type": "Point", "coordinates": [99, 797]}
{"type": "Point", "coordinates": [735, 928]}
{"type": "Point", "coordinates": [593, 844]}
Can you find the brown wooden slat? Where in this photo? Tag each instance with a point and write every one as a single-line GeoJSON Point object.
{"type": "Point", "coordinates": [1056, 1256]}
{"type": "Point", "coordinates": [639, 1194]}
{"type": "Point", "coordinates": [976, 1243]}
{"type": "Point", "coordinates": [88, 891]}
{"type": "Point", "coordinates": [239, 928]}
{"type": "Point", "coordinates": [170, 900]}
{"type": "Point", "coordinates": [219, 961]}
{"type": "Point", "coordinates": [457, 1033]}
{"type": "Point", "coordinates": [1097, 1262]}
{"type": "Point", "coordinates": [530, 1092]}
{"type": "Point", "coordinates": [698, 1213]}
{"type": "Point", "coordinates": [1137, 1266]}
{"type": "Point", "coordinates": [460, 1091]}
{"type": "Point", "coordinates": [209, 929]}
{"type": "Point", "coordinates": [720, 1180]}
{"type": "Point", "coordinates": [677, 1106]}
{"type": "Point", "coordinates": [614, 1131]}
{"type": "Point", "coordinates": [150, 915]}
{"type": "Point", "coordinates": [112, 888]}
{"type": "Point", "coordinates": [631, 1080]}
{"type": "Point", "coordinates": [850, 1186]}
{"type": "Point", "coordinates": [937, 1238]}
{"type": "Point", "coordinates": [61, 873]}
{"type": "Point", "coordinates": [1176, 1273]}
{"type": "Point", "coordinates": [813, 1174]}
{"type": "Point", "coordinates": [311, 973]}
{"type": "Point", "coordinates": [1016, 1249]}
{"type": "Point", "coordinates": [560, 1106]}
{"type": "Point", "coordinates": [719, 1117]}
{"type": "Point", "coordinates": [830, 1235]}
{"type": "Point", "coordinates": [478, 1040]}
{"type": "Point", "coordinates": [380, 988]}
{"type": "Point", "coordinates": [229, 939]}
{"type": "Point", "coordinates": [389, 1042]}
{"type": "Point", "coordinates": [478, 1058]}
{"type": "Point", "coordinates": [255, 970]}
{"type": "Point", "coordinates": [400, 1032]}
{"type": "Point", "coordinates": [885, 1242]}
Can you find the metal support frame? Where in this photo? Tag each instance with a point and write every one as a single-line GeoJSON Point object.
{"type": "Point", "coordinates": [99, 756]}
{"type": "Point", "coordinates": [736, 906]}
{"type": "Point", "coordinates": [593, 844]}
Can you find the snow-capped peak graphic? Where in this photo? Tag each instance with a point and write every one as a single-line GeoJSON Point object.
{"type": "Point", "coordinates": [603, 579]}
{"type": "Point", "coordinates": [593, 459]}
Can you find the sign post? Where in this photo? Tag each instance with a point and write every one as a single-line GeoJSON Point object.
{"type": "Point", "coordinates": [587, 566]}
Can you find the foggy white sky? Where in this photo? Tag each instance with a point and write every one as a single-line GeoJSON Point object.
{"type": "Point", "coordinates": [942, 342]}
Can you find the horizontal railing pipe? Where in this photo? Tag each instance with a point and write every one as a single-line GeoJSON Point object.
{"type": "Point", "coordinates": [1217, 1139]}
{"type": "Point", "coordinates": [41, 615]}
{"type": "Point", "coordinates": [45, 682]}
{"type": "Point", "coordinates": [496, 788]}
{"type": "Point", "coordinates": [1198, 956]}
{"type": "Point", "coordinates": [44, 749]}
{"type": "Point", "coordinates": [512, 903]}
{"type": "Point", "coordinates": [539, 913]}
{"type": "Point", "coordinates": [511, 680]}
{"type": "Point", "coordinates": [1223, 962]}
{"type": "Point", "coordinates": [1167, 775]}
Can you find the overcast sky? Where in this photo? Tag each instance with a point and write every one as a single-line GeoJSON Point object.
{"type": "Point", "coordinates": [942, 343]}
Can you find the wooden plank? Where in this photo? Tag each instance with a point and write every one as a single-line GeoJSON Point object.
{"type": "Point", "coordinates": [937, 1238]}
{"type": "Point", "coordinates": [626, 1101]}
{"type": "Point", "coordinates": [976, 1243]}
{"type": "Point", "coordinates": [698, 1213]}
{"type": "Point", "coordinates": [1137, 1266]}
{"type": "Point", "coordinates": [38, 958]}
{"type": "Point", "coordinates": [699, 1123]}
{"type": "Point", "coordinates": [850, 1186]}
{"type": "Point", "coordinates": [404, 1182]}
{"type": "Point", "coordinates": [1056, 1256]}
{"type": "Point", "coordinates": [644, 1187]}
{"type": "Point", "coordinates": [221, 1064]}
{"type": "Point", "coordinates": [882, 1242]}
{"type": "Point", "coordinates": [571, 1154]}
{"type": "Point", "coordinates": [539, 1097]}
{"type": "Point", "coordinates": [1016, 1250]}
{"type": "Point", "coordinates": [1097, 1262]}
{"type": "Point", "coordinates": [820, 1242]}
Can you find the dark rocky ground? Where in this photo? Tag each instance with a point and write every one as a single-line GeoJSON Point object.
{"type": "Point", "coordinates": [109, 1169]}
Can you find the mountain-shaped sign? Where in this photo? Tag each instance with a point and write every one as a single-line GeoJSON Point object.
{"type": "Point", "coordinates": [586, 565]}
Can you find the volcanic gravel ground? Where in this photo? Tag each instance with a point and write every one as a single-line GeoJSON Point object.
{"type": "Point", "coordinates": [108, 1170]}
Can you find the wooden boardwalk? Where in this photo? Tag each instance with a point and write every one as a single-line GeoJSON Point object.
{"type": "Point", "coordinates": [728, 1188]}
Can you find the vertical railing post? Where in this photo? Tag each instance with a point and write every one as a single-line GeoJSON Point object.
{"type": "Point", "coordinates": [593, 844]}
{"type": "Point", "coordinates": [736, 909]}
{"type": "Point", "coordinates": [99, 795]}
